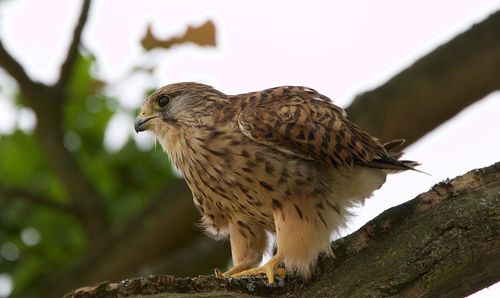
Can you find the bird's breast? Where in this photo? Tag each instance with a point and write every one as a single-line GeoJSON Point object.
{"type": "Point", "coordinates": [226, 171]}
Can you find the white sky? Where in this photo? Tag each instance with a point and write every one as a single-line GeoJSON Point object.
{"type": "Point", "coordinates": [339, 48]}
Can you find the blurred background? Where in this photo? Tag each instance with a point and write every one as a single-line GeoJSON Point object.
{"type": "Point", "coordinates": [85, 199]}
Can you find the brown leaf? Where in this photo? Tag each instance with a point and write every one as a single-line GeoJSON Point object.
{"type": "Point", "coordinates": [203, 35]}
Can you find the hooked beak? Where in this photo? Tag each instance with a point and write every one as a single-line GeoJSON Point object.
{"type": "Point", "coordinates": [140, 123]}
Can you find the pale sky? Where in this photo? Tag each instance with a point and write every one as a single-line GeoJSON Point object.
{"type": "Point", "coordinates": [340, 48]}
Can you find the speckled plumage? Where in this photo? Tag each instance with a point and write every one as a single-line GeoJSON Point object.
{"type": "Point", "coordinates": [284, 160]}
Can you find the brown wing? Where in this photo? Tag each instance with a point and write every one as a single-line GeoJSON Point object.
{"type": "Point", "coordinates": [305, 123]}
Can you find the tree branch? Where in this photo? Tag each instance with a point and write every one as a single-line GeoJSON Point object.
{"type": "Point", "coordinates": [435, 88]}
{"type": "Point", "coordinates": [7, 194]}
{"type": "Point", "coordinates": [15, 70]}
{"type": "Point", "coordinates": [69, 63]}
{"type": "Point", "coordinates": [442, 243]}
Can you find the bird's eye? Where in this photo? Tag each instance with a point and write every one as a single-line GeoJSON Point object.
{"type": "Point", "coordinates": [162, 101]}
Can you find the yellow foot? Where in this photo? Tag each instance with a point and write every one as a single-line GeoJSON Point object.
{"type": "Point", "coordinates": [218, 273]}
{"type": "Point", "coordinates": [270, 269]}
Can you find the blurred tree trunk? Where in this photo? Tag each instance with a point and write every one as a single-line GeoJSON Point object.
{"type": "Point", "coordinates": [443, 243]}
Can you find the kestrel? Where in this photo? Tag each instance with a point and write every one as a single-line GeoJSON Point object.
{"type": "Point", "coordinates": [284, 160]}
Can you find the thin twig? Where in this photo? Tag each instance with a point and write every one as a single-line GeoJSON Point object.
{"type": "Point", "coordinates": [71, 57]}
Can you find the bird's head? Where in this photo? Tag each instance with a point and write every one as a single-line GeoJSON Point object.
{"type": "Point", "coordinates": [175, 106]}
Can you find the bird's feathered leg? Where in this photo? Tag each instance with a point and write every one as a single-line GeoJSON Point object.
{"type": "Point", "coordinates": [248, 243]}
{"type": "Point", "coordinates": [303, 228]}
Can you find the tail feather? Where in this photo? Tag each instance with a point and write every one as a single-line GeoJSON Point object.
{"type": "Point", "coordinates": [391, 162]}
{"type": "Point", "coordinates": [396, 165]}
{"type": "Point", "coordinates": [394, 144]}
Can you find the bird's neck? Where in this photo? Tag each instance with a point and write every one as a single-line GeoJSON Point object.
{"type": "Point", "coordinates": [175, 143]}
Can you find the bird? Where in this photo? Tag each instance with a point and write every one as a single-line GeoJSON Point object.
{"type": "Point", "coordinates": [285, 162]}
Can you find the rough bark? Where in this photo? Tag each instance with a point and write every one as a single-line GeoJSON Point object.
{"type": "Point", "coordinates": [443, 243]}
